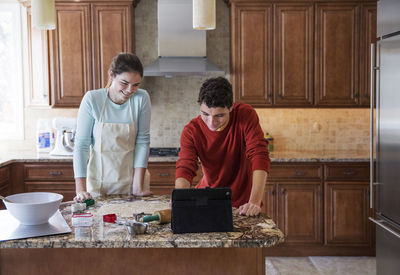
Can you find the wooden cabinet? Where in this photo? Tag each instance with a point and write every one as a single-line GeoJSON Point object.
{"type": "Point", "coordinates": [322, 208]}
{"type": "Point", "coordinates": [4, 183]}
{"type": "Point", "coordinates": [368, 36]}
{"type": "Point", "coordinates": [347, 205]}
{"type": "Point", "coordinates": [293, 200]}
{"type": "Point", "coordinates": [293, 54]}
{"type": "Point", "coordinates": [112, 33]}
{"type": "Point", "coordinates": [337, 31]}
{"type": "Point", "coordinates": [310, 58]}
{"type": "Point", "coordinates": [87, 36]}
{"type": "Point", "coordinates": [70, 54]}
{"type": "Point", "coordinates": [50, 177]}
{"type": "Point", "coordinates": [162, 177]}
{"type": "Point", "coordinates": [251, 45]}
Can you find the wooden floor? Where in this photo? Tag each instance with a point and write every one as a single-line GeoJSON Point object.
{"type": "Point", "coordinates": [320, 265]}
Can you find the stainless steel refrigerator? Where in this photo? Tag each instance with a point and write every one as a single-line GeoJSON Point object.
{"type": "Point", "coordinates": [387, 138]}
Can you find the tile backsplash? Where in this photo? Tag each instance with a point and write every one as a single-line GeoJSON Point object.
{"type": "Point", "coordinates": [318, 130]}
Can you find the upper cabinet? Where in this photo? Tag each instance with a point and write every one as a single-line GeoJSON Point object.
{"type": "Point", "coordinates": [88, 35]}
{"type": "Point", "coordinates": [337, 29]}
{"type": "Point", "coordinates": [295, 54]}
{"type": "Point", "coordinates": [252, 53]}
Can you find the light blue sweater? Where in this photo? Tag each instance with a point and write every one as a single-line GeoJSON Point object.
{"type": "Point", "coordinates": [89, 114]}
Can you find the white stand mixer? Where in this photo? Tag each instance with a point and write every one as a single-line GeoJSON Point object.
{"type": "Point", "coordinates": [66, 128]}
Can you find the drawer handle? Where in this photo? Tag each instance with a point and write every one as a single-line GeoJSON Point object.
{"type": "Point", "coordinates": [55, 173]}
{"type": "Point", "coordinates": [299, 173]}
{"type": "Point", "coordinates": [348, 173]}
{"type": "Point", "coordinates": [163, 174]}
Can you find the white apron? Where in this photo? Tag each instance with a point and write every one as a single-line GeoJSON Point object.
{"type": "Point", "coordinates": [110, 168]}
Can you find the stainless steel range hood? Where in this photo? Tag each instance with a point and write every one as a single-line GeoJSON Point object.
{"type": "Point", "coordinates": [181, 49]}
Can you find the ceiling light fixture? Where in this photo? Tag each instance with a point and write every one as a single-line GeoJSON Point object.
{"type": "Point", "coordinates": [44, 14]}
{"type": "Point", "coordinates": [204, 14]}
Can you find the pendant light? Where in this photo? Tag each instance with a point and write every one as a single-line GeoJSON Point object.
{"type": "Point", "coordinates": [204, 14]}
{"type": "Point", "coordinates": [44, 14]}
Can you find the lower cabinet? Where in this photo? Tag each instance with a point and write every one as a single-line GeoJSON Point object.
{"type": "Point", "coordinates": [50, 177]}
{"type": "Point", "coordinates": [4, 184]}
{"type": "Point", "coordinates": [293, 200]}
{"type": "Point", "coordinates": [322, 209]}
{"type": "Point", "coordinates": [299, 211]}
{"type": "Point", "coordinates": [347, 208]}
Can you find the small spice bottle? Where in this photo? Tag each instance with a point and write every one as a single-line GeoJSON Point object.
{"type": "Point", "coordinates": [270, 140]}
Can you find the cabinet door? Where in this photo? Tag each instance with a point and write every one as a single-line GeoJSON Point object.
{"type": "Point", "coordinates": [346, 213]}
{"type": "Point", "coordinates": [293, 55]}
{"type": "Point", "coordinates": [336, 54]}
{"type": "Point", "coordinates": [70, 55]}
{"type": "Point", "coordinates": [299, 212]}
{"type": "Point", "coordinates": [368, 36]}
{"type": "Point", "coordinates": [112, 34]}
{"type": "Point", "coordinates": [269, 201]}
{"type": "Point", "coordinates": [4, 184]}
{"type": "Point", "coordinates": [251, 70]}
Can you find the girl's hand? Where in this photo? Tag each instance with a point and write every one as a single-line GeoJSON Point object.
{"type": "Point", "coordinates": [81, 196]}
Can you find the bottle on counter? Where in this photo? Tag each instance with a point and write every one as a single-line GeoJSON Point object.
{"type": "Point", "coordinates": [44, 136]}
{"type": "Point", "coordinates": [270, 140]}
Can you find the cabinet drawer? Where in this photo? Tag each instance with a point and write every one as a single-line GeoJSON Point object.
{"type": "Point", "coordinates": [346, 171]}
{"type": "Point", "coordinates": [295, 172]}
{"type": "Point", "coordinates": [4, 174]}
{"type": "Point", "coordinates": [162, 173]}
{"type": "Point", "coordinates": [46, 172]}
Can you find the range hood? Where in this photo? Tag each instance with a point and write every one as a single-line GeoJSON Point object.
{"type": "Point", "coordinates": [181, 49]}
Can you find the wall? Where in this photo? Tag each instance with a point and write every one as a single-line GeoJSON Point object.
{"type": "Point", "coordinates": [174, 102]}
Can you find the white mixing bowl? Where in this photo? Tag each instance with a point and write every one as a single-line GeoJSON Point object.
{"type": "Point", "coordinates": [33, 208]}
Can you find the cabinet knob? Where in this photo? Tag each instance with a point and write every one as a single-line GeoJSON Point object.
{"type": "Point", "coordinates": [269, 95]}
{"type": "Point", "coordinates": [55, 173]}
{"type": "Point", "coordinates": [348, 173]}
{"type": "Point", "coordinates": [356, 94]}
{"type": "Point", "coordinates": [283, 191]}
{"type": "Point", "coordinates": [299, 173]}
{"type": "Point", "coordinates": [272, 192]}
{"type": "Point", "coordinates": [163, 174]}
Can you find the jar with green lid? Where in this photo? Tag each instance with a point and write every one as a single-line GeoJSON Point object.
{"type": "Point", "coordinates": [270, 140]}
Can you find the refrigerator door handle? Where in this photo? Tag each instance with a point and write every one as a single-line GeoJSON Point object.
{"type": "Point", "coordinates": [380, 223]}
{"type": "Point", "coordinates": [371, 149]}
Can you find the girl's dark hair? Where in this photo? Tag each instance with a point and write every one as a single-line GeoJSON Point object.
{"type": "Point", "coordinates": [216, 92]}
{"type": "Point", "coordinates": [126, 62]}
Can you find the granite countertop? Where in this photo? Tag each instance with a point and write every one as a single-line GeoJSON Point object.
{"type": "Point", "coordinates": [253, 232]}
{"type": "Point", "coordinates": [342, 156]}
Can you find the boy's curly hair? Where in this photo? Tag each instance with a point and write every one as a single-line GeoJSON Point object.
{"type": "Point", "coordinates": [216, 92]}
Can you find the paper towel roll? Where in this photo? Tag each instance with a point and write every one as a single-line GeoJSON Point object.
{"type": "Point", "coordinates": [204, 14]}
{"type": "Point", "coordinates": [43, 14]}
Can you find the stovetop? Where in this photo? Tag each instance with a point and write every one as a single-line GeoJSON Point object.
{"type": "Point", "coordinates": [164, 151]}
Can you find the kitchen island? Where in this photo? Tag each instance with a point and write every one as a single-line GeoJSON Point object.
{"type": "Point", "coordinates": [106, 248]}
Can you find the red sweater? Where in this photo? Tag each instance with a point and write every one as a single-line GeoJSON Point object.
{"type": "Point", "coordinates": [228, 157]}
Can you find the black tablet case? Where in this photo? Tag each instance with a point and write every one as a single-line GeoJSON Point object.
{"type": "Point", "coordinates": [201, 210]}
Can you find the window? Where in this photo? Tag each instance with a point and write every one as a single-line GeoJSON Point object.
{"type": "Point", "coordinates": [11, 72]}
